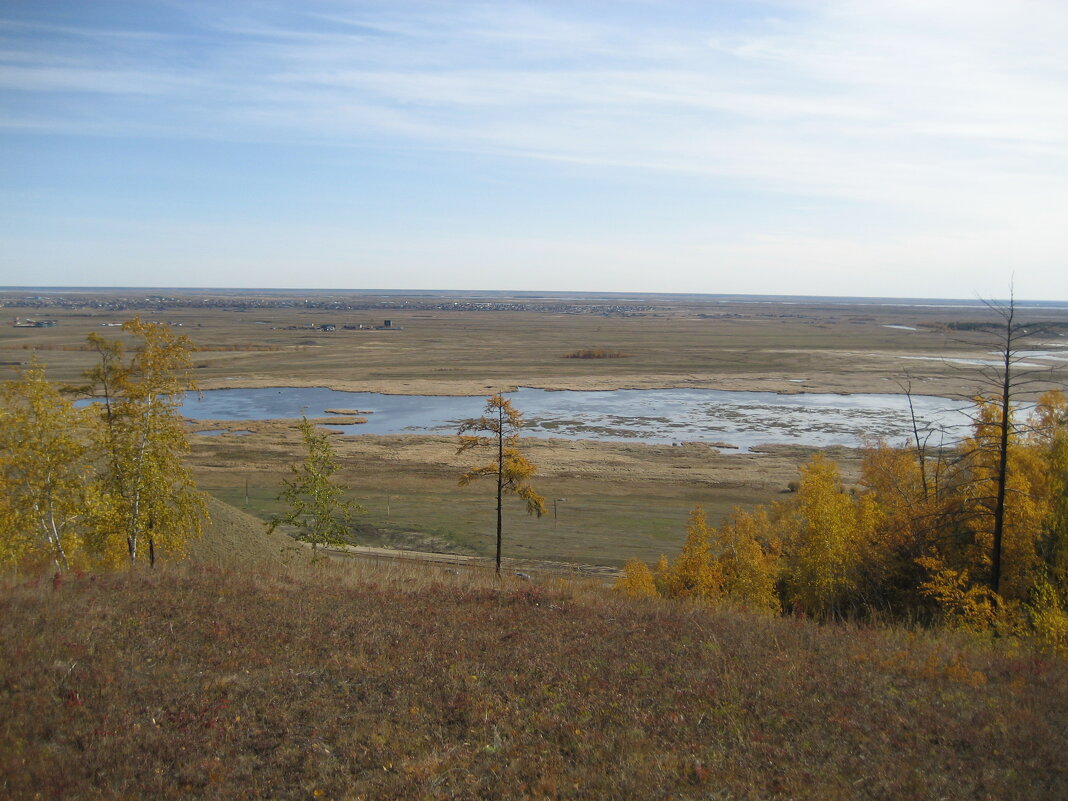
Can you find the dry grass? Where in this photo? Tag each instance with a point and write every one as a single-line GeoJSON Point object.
{"type": "Point", "coordinates": [355, 681]}
{"type": "Point", "coordinates": [240, 540]}
{"type": "Point", "coordinates": [684, 342]}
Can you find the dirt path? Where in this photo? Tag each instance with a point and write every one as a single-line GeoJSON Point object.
{"type": "Point", "coordinates": [522, 568]}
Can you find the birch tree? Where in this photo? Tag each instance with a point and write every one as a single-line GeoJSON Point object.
{"type": "Point", "coordinates": [44, 471]}
{"type": "Point", "coordinates": [146, 497]}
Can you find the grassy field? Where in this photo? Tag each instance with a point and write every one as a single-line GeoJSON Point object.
{"type": "Point", "coordinates": [230, 680]}
{"type": "Point", "coordinates": [594, 525]}
{"type": "Point", "coordinates": [621, 499]}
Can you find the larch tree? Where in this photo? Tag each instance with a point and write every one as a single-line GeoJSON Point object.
{"type": "Point", "coordinates": [44, 470]}
{"type": "Point", "coordinates": [915, 510]}
{"type": "Point", "coordinates": [497, 432]}
{"type": "Point", "coordinates": [1005, 500]}
{"type": "Point", "coordinates": [317, 508]}
{"type": "Point", "coordinates": [146, 494]}
{"type": "Point", "coordinates": [1050, 436]}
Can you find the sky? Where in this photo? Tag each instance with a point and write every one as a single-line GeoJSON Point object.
{"type": "Point", "coordinates": [906, 148]}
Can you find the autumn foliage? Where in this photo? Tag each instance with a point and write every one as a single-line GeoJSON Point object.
{"type": "Point", "coordinates": [106, 484]}
{"type": "Point", "coordinates": [912, 541]}
{"type": "Point", "coordinates": [497, 434]}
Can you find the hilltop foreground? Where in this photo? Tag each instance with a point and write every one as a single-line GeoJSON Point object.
{"type": "Point", "coordinates": [351, 681]}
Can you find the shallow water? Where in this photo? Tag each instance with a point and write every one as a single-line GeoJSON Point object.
{"type": "Point", "coordinates": [741, 419]}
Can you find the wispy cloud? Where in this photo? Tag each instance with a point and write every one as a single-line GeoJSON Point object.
{"type": "Point", "coordinates": [873, 75]}
{"type": "Point", "coordinates": [947, 109]}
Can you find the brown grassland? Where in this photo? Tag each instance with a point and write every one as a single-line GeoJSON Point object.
{"type": "Point", "coordinates": [792, 346]}
{"type": "Point", "coordinates": [234, 677]}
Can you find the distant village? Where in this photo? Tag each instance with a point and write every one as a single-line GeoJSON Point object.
{"type": "Point", "coordinates": [159, 303]}
{"type": "Point", "coordinates": [387, 325]}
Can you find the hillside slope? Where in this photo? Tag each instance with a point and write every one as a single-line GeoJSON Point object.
{"type": "Point", "coordinates": [348, 682]}
{"type": "Point", "coordinates": [236, 537]}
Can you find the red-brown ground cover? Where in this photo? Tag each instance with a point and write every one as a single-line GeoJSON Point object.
{"type": "Point", "coordinates": [210, 683]}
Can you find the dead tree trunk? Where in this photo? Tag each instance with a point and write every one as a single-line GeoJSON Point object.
{"type": "Point", "coordinates": [1005, 421]}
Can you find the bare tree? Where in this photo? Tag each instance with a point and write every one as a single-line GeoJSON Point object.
{"type": "Point", "coordinates": [1010, 376]}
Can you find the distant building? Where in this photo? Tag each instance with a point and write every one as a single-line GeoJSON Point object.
{"type": "Point", "coordinates": [20, 323]}
{"type": "Point", "coordinates": [387, 325]}
{"type": "Point", "coordinates": [328, 327]}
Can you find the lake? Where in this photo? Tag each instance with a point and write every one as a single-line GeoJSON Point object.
{"type": "Point", "coordinates": [742, 419]}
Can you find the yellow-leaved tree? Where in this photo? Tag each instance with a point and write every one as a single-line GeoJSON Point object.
{"type": "Point", "coordinates": [497, 432]}
{"type": "Point", "coordinates": [44, 471]}
{"type": "Point", "coordinates": [827, 536]}
{"type": "Point", "coordinates": [694, 573]}
{"type": "Point", "coordinates": [1003, 498]}
{"type": "Point", "coordinates": [910, 488]}
{"type": "Point", "coordinates": [636, 581]}
{"type": "Point", "coordinates": [1048, 603]}
{"type": "Point", "coordinates": [1049, 428]}
{"type": "Point", "coordinates": [748, 562]}
{"type": "Point", "coordinates": [145, 495]}
{"type": "Point", "coordinates": [739, 561]}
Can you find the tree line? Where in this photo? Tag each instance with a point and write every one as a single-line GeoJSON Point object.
{"type": "Point", "coordinates": [974, 535]}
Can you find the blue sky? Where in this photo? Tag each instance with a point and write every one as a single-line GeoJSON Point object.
{"type": "Point", "coordinates": [905, 148]}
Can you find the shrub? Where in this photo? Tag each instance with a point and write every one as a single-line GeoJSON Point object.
{"type": "Point", "coordinates": [596, 353]}
{"type": "Point", "coordinates": [636, 581]}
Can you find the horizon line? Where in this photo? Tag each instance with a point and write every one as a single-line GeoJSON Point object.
{"type": "Point", "coordinates": [976, 300]}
